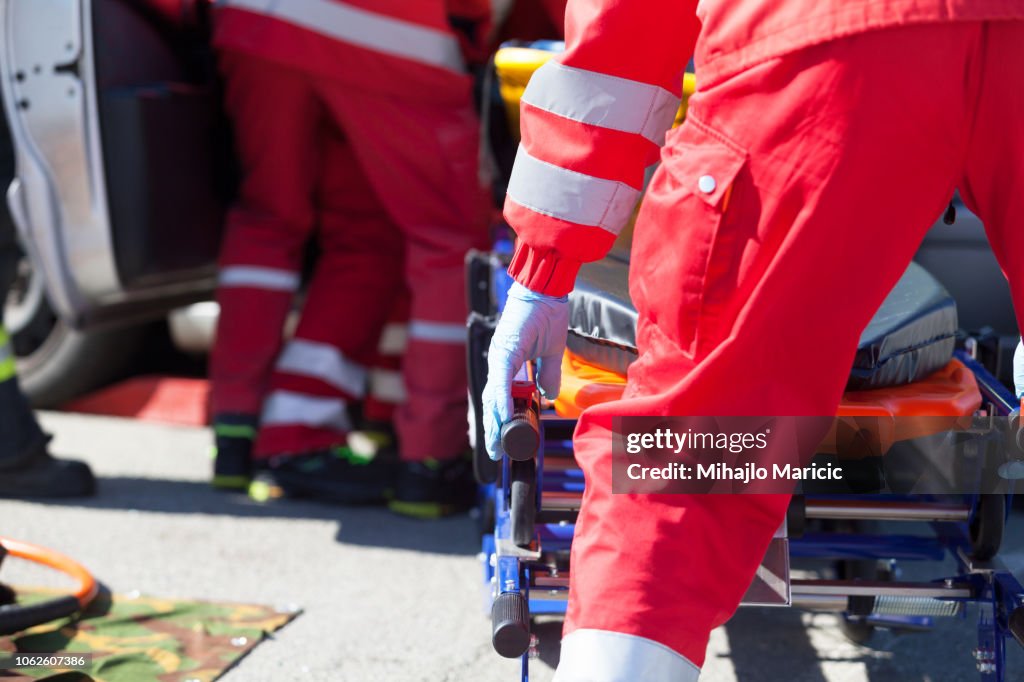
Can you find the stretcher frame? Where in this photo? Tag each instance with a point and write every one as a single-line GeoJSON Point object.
{"type": "Point", "coordinates": [522, 580]}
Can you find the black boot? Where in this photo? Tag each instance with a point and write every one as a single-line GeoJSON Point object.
{"type": "Point", "coordinates": [432, 489]}
{"type": "Point", "coordinates": [232, 460]}
{"type": "Point", "coordinates": [26, 467]}
{"type": "Point", "coordinates": [339, 475]}
{"type": "Point", "coordinates": [35, 473]}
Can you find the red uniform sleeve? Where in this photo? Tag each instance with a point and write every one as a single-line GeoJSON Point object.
{"type": "Point", "coordinates": [592, 120]}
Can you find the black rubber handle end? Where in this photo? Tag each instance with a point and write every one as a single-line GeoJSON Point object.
{"type": "Point", "coordinates": [510, 625]}
{"type": "Point", "coordinates": [520, 439]}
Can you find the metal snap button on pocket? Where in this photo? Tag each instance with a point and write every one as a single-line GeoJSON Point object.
{"type": "Point", "coordinates": [706, 184]}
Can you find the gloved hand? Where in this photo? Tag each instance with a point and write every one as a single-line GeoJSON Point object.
{"type": "Point", "coordinates": [532, 326]}
{"type": "Point", "coordinates": [1018, 370]}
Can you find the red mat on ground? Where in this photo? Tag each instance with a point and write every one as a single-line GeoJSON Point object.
{"type": "Point", "coordinates": [172, 400]}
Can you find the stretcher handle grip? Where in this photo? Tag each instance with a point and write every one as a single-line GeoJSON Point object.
{"type": "Point", "coordinates": [520, 435]}
{"type": "Point", "coordinates": [510, 624]}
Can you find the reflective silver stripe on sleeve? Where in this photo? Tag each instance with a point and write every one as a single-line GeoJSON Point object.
{"type": "Point", "coordinates": [601, 100]}
{"type": "Point", "coordinates": [605, 656]}
{"type": "Point", "coordinates": [567, 195]}
{"type": "Point", "coordinates": [324, 362]}
{"type": "Point", "coordinates": [387, 386]}
{"type": "Point", "coordinates": [356, 26]}
{"type": "Point", "coordinates": [258, 278]}
{"type": "Point", "coordinates": [439, 332]}
{"type": "Point", "coordinates": [286, 408]}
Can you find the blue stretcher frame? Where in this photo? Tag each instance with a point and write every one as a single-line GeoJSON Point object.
{"type": "Point", "coordinates": [998, 593]}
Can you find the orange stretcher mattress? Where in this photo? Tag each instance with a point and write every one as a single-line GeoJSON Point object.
{"type": "Point", "coordinates": [941, 402]}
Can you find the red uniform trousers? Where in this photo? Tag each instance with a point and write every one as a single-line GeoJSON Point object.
{"type": "Point", "coordinates": [828, 166]}
{"type": "Point", "coordinates": [372, 172]}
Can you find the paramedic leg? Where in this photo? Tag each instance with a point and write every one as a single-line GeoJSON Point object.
{"type": "Point", "coordinates": [421, 158]}
{"type": "Point", "coordinates": [26, 467]}
{"type": "Point", "coordinates": [828, 166]}
{"type": "Point", "coordinates": [276, 121]}
{"type": "Point", "coordinates": [325, 367]}
{"type": "Point", "coordinates": [993, 184]}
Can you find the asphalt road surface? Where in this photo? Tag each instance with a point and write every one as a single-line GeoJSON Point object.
{"type": "Point", "coordinates": [386, 598]}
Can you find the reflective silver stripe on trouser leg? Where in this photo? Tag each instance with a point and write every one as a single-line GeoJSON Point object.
{"type": "Point", "coordinates": [386, 385]}
{"type": "Point", "coordinates": [324, 362]}
{"type": "Point", "coordinates": [258, 277]}
{"type": "Point", "coordinates": [287, 408]}
{"type": "Point", "coordinates": [437, 332]}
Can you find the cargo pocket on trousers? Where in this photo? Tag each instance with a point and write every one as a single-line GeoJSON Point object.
{"type": "Point", "coordinates": [703, 165]}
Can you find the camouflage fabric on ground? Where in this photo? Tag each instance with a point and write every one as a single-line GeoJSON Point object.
{"type": "Point", "coordinates": [142, 639]}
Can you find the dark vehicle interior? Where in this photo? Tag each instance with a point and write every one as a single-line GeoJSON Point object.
{"type": "Point", "coordinates": [168, 167]}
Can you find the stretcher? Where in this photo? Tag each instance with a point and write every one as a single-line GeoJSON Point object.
{"type": "Point", "coordinates": [914, 377]}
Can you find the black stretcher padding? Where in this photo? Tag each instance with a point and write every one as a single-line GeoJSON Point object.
{"type": "Point", "coordinates": [911, 335]}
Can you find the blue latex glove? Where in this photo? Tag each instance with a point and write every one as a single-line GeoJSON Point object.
{"type": "Point", "coordinates": [532, 326]}
{"type": "Point", "coordinates": [1018, 370]}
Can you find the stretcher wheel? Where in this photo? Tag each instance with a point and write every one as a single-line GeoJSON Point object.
{"type": "Point", "coordinates": [488, 516]}
{"type": "Point", "coordinates": [856, 628]}
{"type": "Point", "coordinates": [510, 625]}
{"type": "Point", "coordinates": [986, 526]}
{"type": "Point", "coordinates": [523, 500]}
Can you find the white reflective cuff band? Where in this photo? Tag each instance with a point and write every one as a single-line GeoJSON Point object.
{"type": "Point", "coordinates": [438, 332]}
{"type": "Point", "coordinates": [370, 30]}
{"type": "Point", "coordinates": [601, 100]}
{"type": "Point", "coordinates": [257, 277]}
{"type": "Point", "coordinates": [567, 195]}
{"type": "Point", "coordinates": [286, 408]}
{"type": "Point", "coordinates": [393, 339]}
{"type": "Point", "coordinates": [387, 386]}
{"type": "Point", "coordinates": [324, 362]}
{"type": "Point", "coordinates": [605, 656]}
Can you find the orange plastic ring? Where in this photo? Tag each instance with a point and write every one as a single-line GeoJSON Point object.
{"type": "Point", "coordinates": [88, 588]}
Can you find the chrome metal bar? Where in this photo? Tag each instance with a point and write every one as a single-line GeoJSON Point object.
{"type": "Point", "coordinates": [544, 580]}
{"type": "Point", "coordinates": [818, 591]}
{"type": "Point", "coordinates": [807, 602]}
{"type": "Point", "coordinates": [560, 501]}
{"type": "Point", "coordinates": [863, 588]}
{"type": "Point", "coordinates": [870, 510]}
{"type": "Point", "coordinates": [560, 464]}
{"type": "Point", "coordinates": [820, 602]}
{"type": "Point", "coordinates": [548, 595]}
{"type": "Point", "coordinates": [867, 510]}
